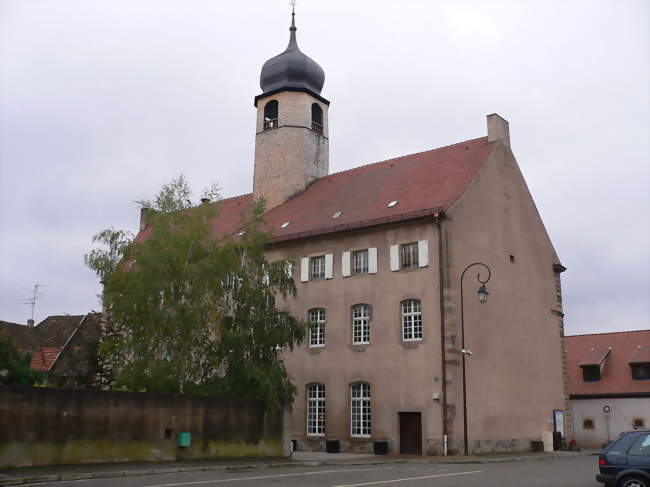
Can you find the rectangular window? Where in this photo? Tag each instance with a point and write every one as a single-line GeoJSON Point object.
{"type": "Point", "coordinates": [316, 409]}
{"type": "Point", "coordinates": [317, 330]}
{"type": "Point", "coordinates": [317, 267]}
{"type": "Point", "coordinates": [409, 255]}
{"type": "Point", "coordinates": [641, 447]}
{"type": "Point", "coordinates": [411, 320]}
{"type": "Point", "coordinates": [360, 262]}
{"type": "Point", "coordinates": [590, 373]}
{"type": "Point", "coordinates": [360, 414]}
{"type": "Point", "coordinates": [360, 324]}
{"type": "Point", "coordinates": [640, 371]}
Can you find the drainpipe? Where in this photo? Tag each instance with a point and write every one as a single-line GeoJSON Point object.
{"type": "Point", "coordinates": [438, 217]}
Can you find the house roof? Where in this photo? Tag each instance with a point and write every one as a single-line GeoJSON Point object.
{"type": "Point", "coordinates": [616, 375]}
{"type": "Point", "coordinates": [24, 338]}
{"type": "Point", "coordinates": [422, 184]}
{"type": "Point", "coordinates": [641, 355]}
{"type": "Point", "coordinates": [43, 359]}
{"type": "Point", "coordinates": [595, 356]}
{"type": "Point", "coordinates": [54, 331]}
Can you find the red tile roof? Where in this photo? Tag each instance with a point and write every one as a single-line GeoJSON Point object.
{"type": "Point", "coordinates": [44, 358]}
{"type": "Point", "coordinates": [595, 356]}
{"type": "Point", "coordinates": [641, 355]}
{"type": "Point", "coordinates": [422, 184]}
{"type": "Point", "coordinates": [617, 376]}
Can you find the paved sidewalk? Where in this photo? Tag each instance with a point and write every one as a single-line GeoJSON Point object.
{"type": "Point", "coordinates": [31, 475]}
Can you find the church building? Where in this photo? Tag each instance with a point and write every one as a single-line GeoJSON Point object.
{"type": "Point", "coordinates": [430, 283]}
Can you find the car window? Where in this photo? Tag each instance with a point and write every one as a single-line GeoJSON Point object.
{"type": "Point", "coordinates": [641, 446]}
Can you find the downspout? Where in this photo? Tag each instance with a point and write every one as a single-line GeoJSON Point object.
{"type": "Point", "coordinates": [438, 217]}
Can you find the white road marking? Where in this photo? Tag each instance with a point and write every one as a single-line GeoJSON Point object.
{"type": "Point", "coordinates": [412, 478]}
{"type": "Point", "coordinates": [268, 477]}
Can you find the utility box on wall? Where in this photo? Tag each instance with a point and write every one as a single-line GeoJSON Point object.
{"type": "Point", "coordinates": [184, 439]}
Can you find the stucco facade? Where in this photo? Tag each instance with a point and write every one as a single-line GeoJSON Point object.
{"type": "Point", "coordinates": [514, 338]}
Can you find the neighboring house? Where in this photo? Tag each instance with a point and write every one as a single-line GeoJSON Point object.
{"type": "Point", "coordinates": [378, 255]}
{"type": "Point", "coordinates": [609, 384]}
{"type": "Point", "coordinates": [62, 347]}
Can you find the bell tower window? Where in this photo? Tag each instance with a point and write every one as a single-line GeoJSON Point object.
{"type": "Point", "coordinates": [316, 118]}
{"type": "Point", "coordinates": [271, 115]}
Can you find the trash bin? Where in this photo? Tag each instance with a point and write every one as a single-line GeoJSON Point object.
{"type": "Point", "coordinates": [184, 439]}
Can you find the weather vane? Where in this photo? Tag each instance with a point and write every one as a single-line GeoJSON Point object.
{"type": "Point", "coordinates": [293, 6]}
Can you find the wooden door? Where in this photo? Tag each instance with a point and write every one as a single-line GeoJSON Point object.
{"type": "Point", "coordinates": [410, 433]}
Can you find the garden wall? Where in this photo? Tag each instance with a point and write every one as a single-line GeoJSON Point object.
{"type": "Point", "coordinates": [43, 426]}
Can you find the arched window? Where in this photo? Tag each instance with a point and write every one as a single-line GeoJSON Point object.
{"type": "Point", "coordinates": [411, 320]}
{"type": "Point", "coordinates": [360, 324]}
{"type": "Point", "coordinates": [271, 115]}
{"type": "Point", "coordinates": [316, 118]}
{"type": "Point", "coordinates": [360, 410]}
{"type": "Point", "coordinates": [317, 329]}
{"type": "Point", "coordinates": [315, 409]}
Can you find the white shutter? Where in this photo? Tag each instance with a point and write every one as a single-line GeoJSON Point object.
{"type": "Point", "coordinates": [329, 266]}
{"type": "Point", "coordinates": [304, 269]}
{"type": "Point", "coordinates": [345, 264]}
{"type": "Point", "coordinates": [289, 269]}
{"type": "Point", "coordinates": [423, 253]}
{"type": "Point", "coordinates": [372, 260]}
{"type": "Point", "coordinates": [394, 258]}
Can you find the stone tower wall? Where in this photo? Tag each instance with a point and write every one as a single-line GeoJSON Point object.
{"type": "Point", "coordinates": [288, 158]}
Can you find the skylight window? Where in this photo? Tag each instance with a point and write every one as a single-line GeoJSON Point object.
{"type": "Point", "coordinates": [392, 203]}
{"type": "Point", "coordinates": [285, 224]}
{"type": "Point", "coordinates": [337, 214]}
{"type": "Point", "coordinates": [242, 233]}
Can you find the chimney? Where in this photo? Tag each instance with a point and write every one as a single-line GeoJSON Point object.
{"type": "Point", "coordinates": [144, 217]}
{"type": "Point", "coordinates": [498, 129]}
{"type": "Point", "coordinates": [30, 323]}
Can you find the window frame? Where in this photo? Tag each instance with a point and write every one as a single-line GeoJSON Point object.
{"type": "Point", "coordinates": [363, 321]}
{"type": "Point", "coordinates": [317, 327]}
{"type": "Point", "coordinates": [416, 322]}
{"type": "Point", "coordinates": [362, 402]}
{"type": "Point", "coordinates": [312, 262]}
{"type": "Point", "coordinates": [635, 368]}
{"type": "Point", "coordinates": [409, 260]}
{"type": "Point", "coordinates": [268, 122]}
{"type": "Point", "coordinates": [316, 417]}
{"type": "Point", "coordinates": [365, 265]}
{"type": "Point", "coordinates": [589, 373]}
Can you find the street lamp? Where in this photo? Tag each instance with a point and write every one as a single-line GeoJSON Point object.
{"type": "Point", "coordinates": [482, 297]}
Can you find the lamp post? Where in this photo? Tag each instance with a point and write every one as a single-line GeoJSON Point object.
{"type": "Point", "coordinates": [482, 297]}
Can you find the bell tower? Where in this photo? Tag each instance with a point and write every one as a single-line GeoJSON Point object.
{"type": "Point", "coordinates": [291, 137]}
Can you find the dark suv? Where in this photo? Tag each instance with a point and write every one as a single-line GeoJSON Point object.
{"type": "Point", "coordinates": [626, 461]}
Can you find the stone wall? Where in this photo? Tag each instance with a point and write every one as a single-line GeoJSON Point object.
{"type": "Point", "coordinates": [42, 426]}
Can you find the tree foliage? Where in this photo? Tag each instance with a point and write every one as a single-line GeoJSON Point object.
{"type": "Point", "coordinates": [191, 313]}
{"type": "Point", "coordinates": [15, 367]}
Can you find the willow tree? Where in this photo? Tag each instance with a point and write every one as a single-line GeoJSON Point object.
{"type": "Point", "coordinates": [190, 313]}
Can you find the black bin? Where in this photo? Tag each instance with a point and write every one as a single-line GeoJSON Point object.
{"type": "Point", "coordinates": [537, 445]}
{"type": "Point", "coordinates": [380, 448]}
{"type": "Point", "coordinates": [332, 446]}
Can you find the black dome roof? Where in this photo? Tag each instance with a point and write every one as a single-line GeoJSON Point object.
{"type": "Point", "coordinates": [292, 70]}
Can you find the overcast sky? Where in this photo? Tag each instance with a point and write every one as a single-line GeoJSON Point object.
{"type": "Point", "coordinates": [102, 101]}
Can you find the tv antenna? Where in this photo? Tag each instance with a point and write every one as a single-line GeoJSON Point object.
{"type": "Point", "coordinates": [36, 293]}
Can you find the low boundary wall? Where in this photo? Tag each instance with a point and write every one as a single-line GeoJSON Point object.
{"type": "Point", "coordinates": [43, 426]}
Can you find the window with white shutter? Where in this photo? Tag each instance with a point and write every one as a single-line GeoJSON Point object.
{"type": "Point", "coordinates": [394, 258]}
{"type": "Point", "coordinates": [345, 264]}
{"type": "Point", "coordinates": [329, 266]}
{"type": "Point", "coordinates": [304, 269]}
{"type": "Point", "coordinates": [423, 253]}
{"type": "Point", "coordinates": [372, 260]}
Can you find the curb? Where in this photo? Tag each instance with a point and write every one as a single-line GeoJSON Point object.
{"type": "Point", "coordinates": [312, 463]}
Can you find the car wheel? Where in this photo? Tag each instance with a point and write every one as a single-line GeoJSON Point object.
{"type": "Point", "coordinates": [633, 481]}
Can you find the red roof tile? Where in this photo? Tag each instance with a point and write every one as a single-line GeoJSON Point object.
{"type": "Point", "coordinates": [421, 183]}
{"type": "Point", "coordinates": [595, 356]}
{"type": "Point", "coordinates": [617, 375]}
{"type": "Point", "coordinates": [641, 355]}
{"type": "Point", "coordinates": [44, 358]}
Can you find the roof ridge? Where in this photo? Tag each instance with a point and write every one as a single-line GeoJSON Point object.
{"type": "Point", "coordinates": [231, 198]}
{"type": "Point", "coordinates": [401, 157]}
{"type": "Point", "coordinates": [606, 333]}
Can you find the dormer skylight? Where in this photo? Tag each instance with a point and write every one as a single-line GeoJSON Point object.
{"type": "Point", "coordinates": [392, 203]}
{"type": "Point", "coordinates": [285, 224]}
{"type": "Point", "coordinates": [337, 214]}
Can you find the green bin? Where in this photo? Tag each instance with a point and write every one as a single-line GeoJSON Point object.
{"type": "Point", "coordinates": [184, 439]}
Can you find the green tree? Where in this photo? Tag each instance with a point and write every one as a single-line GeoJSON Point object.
{"type": "Point", "coordinates": [14, 367]}
{"type": "Point", "coordinates": [191, 313]}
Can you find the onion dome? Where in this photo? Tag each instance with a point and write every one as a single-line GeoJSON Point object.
{"type": "Point", "coordinates": [292, 70]}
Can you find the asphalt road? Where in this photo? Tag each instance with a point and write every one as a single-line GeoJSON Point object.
{"type": "Point", "coordinates": [571, 472]}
